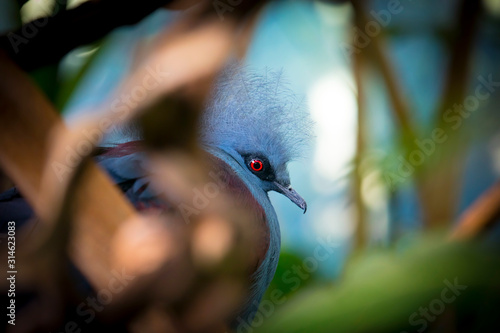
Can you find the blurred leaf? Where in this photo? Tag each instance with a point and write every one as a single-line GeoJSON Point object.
{"type": "Point", "coordinates": [46, 79]}
{"type": "Point", "coordinates": [287, 262]}
{"type": "Point", "coordinates": [68, 87]}
{"type": "Point", "coordinates": [381, 291]}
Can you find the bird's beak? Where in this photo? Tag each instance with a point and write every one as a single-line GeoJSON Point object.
{"type": "Point", "coordinates": [291, 194]}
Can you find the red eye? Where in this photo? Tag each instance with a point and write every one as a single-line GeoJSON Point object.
{"type": "Point", "coordinates": [256, 165]}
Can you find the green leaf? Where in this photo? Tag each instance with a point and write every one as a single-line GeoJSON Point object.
{"type": "Point", "coordinates": [382, 292]}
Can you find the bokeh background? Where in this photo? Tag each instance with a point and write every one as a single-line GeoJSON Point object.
{"type": "Point", "coordinates": [369, 103]}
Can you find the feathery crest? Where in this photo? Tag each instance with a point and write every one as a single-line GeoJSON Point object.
{"type": "Point", "coordinates": [257, 111]}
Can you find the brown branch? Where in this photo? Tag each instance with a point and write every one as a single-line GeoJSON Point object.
{"type": "Point", "coordinates": [461, 53]}
{"type": "Point", "coordinates": [480, 215]}
{"type": "Point", "coordinates": [439, 189]}
{"type": "Point", "coordinates": [45, 41]}
{"type": "Point", "coordinates": [25, 126]}
{"type": "Point", "coordinates": [437, 208]}
{"type": "Point", "coordinates": [400, 108]}
{"type": "Point", "coordinates": [361, 232]}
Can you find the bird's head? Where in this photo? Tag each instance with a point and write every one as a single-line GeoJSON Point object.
{"type": "Point", "coordinates": [259, 124]}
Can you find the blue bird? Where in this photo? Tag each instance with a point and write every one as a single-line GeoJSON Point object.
{"type": "Point", "coordinates": [256, 126]}
{"type": "Point", "coordinates": [251, 128]}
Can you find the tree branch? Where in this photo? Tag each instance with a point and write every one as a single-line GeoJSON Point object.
{"type": "Point", "coordinates": [480, 215]}
{"type": "Point", "coordinates": [45, 41]}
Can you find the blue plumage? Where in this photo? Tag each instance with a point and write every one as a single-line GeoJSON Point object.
{"type": "Point", "coordinates": [256, 112]}
{"type": "Point", "coordinates": [257, 116]}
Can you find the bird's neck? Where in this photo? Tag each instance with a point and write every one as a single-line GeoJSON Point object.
{"type": "Point", "coordinates": [252, 192]}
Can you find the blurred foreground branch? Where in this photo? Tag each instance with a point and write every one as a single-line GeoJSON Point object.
{"type": "Point", "coordinates": [480, 216]}
{"type": "Point", "coordinates": [46, 40]}
{"type": "Point", "coordinates": [25, 148]}
{"type": "Point", "coordinates": [182, 278]}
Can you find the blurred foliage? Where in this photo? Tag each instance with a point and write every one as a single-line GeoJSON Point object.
{"type": "Point", "coordinates": [381, 291]}
{"type": "Point", "coordinates": [69, 84]}
{"type": "Point", "coordinates": [46, 79]}
{"type": "Point", "coordinates": [288, 260]}
{"type": "Point", "coordinates": [57, 88]}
